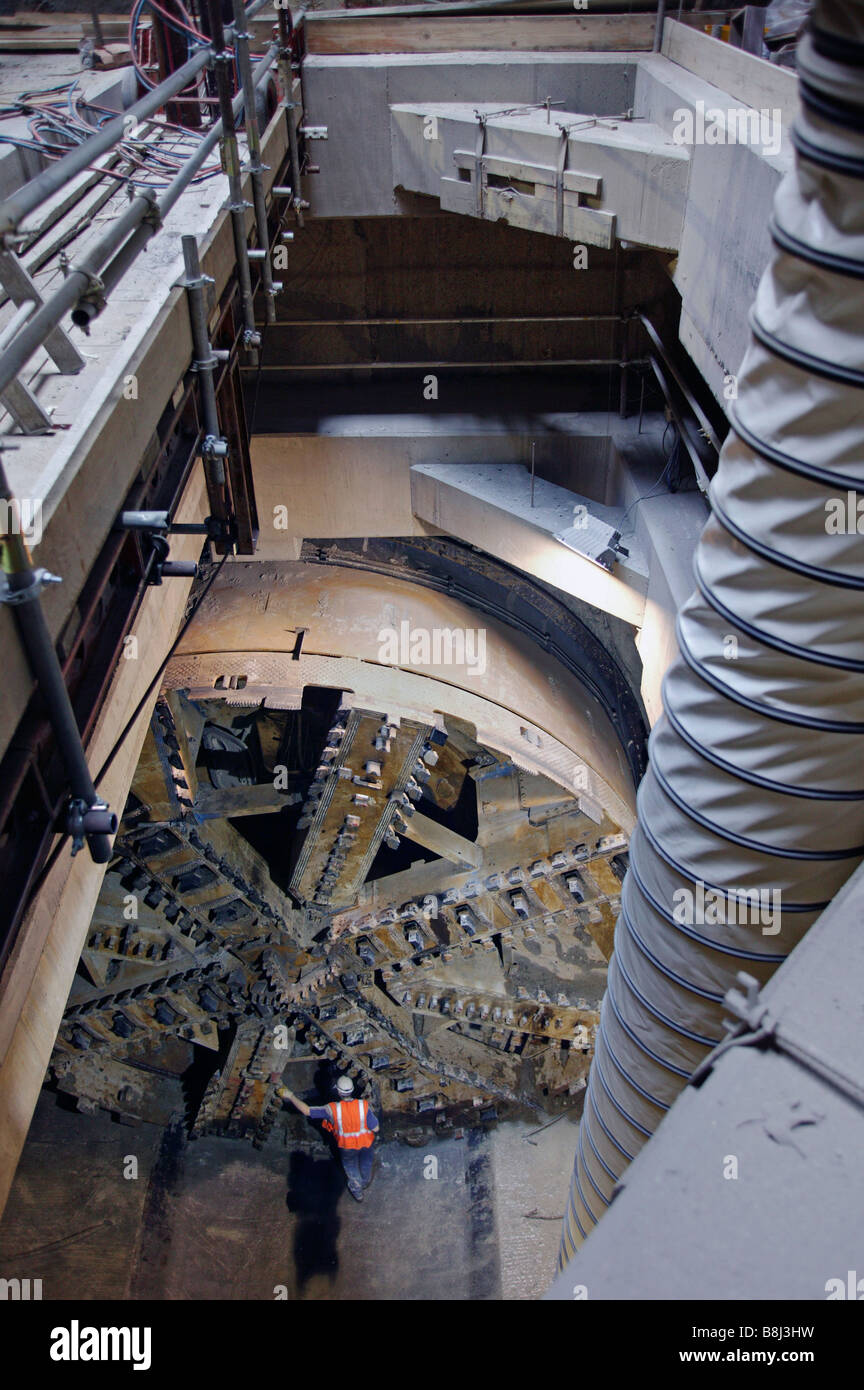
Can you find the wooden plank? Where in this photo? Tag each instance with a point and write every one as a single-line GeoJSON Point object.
{"type": "Point", "coordinates": [348, 33]}
{"type": "Point", "coordinates": [63, 24]}
{"type": "Point", "coordinates": [474, 8]}
{"type": "Point", "coordinates": [528, 33]}
{"type": "Point", "coordinates": [30, 19]}
{"type": "Point", "coordinates": [42, 43]}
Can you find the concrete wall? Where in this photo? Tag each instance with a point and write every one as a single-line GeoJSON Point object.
{"type": "Point", "coordinates": [37, 977]}
{"type": "Point", "coordinates": [457, 268]}
{"type": "Point", "coordinates": [354, 479]}
{"type": "Point", "coordinates": [347, 94]}
{"type": "Point", "coordinates": [724, 243]}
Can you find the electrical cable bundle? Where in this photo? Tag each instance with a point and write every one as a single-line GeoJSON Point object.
{"type": "Point", "coordinates": [60, 117]}
{"type": "Point", "coordinates": [141, 44]}
{"type": "Point", "coordinates": [183, 25]}
{"type": "Point", "coordinates": [57, 122]}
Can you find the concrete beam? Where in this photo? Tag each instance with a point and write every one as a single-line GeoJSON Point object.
{"type": "Point", "coordinates": [38, 976]}
{"type": "Point", "coordinates": [350, 93]}
{"type": "Point", "coordinates": [224, 803]}
{"type": "Point", "coordinates": [748, 79]}
{"type": "Point", "coordinates": [537, 172]}
{"type": "Point", "coordinates": [444, 842]}
{"type": "Point", "coordinates": [490, 507]}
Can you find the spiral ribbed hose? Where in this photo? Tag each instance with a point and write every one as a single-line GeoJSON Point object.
{"type": "Point", "coordinates": [756, 777]}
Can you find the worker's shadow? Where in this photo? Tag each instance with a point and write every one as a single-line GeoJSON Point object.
{"type": "Point", "coordinates": [314, 1188]}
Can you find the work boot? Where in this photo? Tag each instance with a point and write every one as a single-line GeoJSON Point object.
{"type": "Point", "coordinates": [356, 1191]}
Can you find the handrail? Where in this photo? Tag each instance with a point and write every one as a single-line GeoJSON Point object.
{"type": "Point", "coordinates": [143, 217]}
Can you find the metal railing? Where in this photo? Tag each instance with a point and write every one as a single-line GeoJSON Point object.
{"type": "Point", "coordinates": [84, 290]}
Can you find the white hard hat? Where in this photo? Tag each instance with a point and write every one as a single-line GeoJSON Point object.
{"type": "Point", "coordinates": [345, 1085]}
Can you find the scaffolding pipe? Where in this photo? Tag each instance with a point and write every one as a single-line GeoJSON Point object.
{"type": "Point", "coordinates": [550, 363]}
{"type": "Point", "coordinates": [658, 27]}
{"type": "Point", "coordinates": [222, 63]}
{"type": "Point", "coordinates": [286, 77]}
{"type": "Point", "coordinates": [502, 7]}
{"type": "Point", "coordinates": [253, 144]}
{"type": "Point", "coordinates": [87, 815]}
{"type": "Point", "coordinates": [213, 448]}
{"type": "Point", "coordinates": [751, 813]}
{"type": "Point", "coordinates": [17, 321]}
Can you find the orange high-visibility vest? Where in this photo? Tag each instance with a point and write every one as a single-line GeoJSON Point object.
{"type": "Point", "coordinates": [350, 1126]}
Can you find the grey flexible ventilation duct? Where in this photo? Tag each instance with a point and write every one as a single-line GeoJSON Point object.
{"type": "Point", "coordinates": [756, 776]}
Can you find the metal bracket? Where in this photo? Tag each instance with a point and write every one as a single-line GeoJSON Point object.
{"type": "Point", "coordinates": [746, 1004]}
{"type": "Point", "coordinates": [195, 282]}
{"type": "Point", "coordinates": [153, 216]}
{"type": "Point", "coordinates": [83, 820]}
{"type": "Point", "coordinates": [559, 179]}
{"type": "Point", "coordinates": [213, 446]}
{"type": "Point", "coordinates": [95, 291]}
{"type": "Point", "coordinates": [209, 364]}
{"type": "Point", "coordinates": [313, 132]}
{"type": "Point", "coordinates": [41, 577]}
{"type": "Point", "coordinates": [757, 1026]}
{"type": "Point", "coordinates": [18, 284]}
{"type": "Point", "coordinates": [17, 398]}
{"type": "Point", "coordinates": [160, 567]}
{"type": "Point", "coordinates": [215, 528]}
{"type": "Point", "coordinates": [479, 170]}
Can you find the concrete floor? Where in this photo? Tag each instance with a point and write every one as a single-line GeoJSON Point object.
{"type": "Point", "coordinates": [215, 1219]}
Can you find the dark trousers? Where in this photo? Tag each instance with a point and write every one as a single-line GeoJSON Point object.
{"type": "Point", "coordinates": [358, 1166]}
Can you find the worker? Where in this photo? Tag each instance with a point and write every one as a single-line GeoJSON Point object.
{"type": "Point", "coordinates": [354, 1126]}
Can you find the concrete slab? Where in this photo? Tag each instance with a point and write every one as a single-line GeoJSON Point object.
{"type": "Point", "coordinates": [750, 1188]}
{"type": "Point", "coordinates": [530, 1167]}
{"type": "Point", "coordinates": [450, 1219]}
{"type": "Point", "coordinates": [725, 243]}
